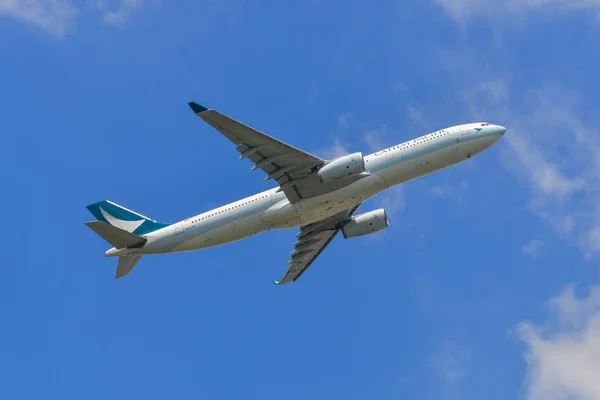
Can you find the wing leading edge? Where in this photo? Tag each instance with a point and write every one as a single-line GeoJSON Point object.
{"type": "Point", "coordinates": [281, 162]}
{"type": "Point", "coordinates": [312, 240]}
{"type": "Point", "coordinates": [292, 168]}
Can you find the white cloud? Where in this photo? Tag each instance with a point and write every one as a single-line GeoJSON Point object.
{"type": "Point", "coordinates": [373, 139]}
{"type": "Point", "coordinates": [542, 173]}
{"type": "Point", "coordinates": [449, 191]}
{"type": "Point", "coordinates": [553, 149]}
{"type": "Point", "coordinates": [337, 149]}
{"type": "Point", "coordinates": [54, 16]}
{"type": "Point", "coordinates": [58, 16]}
{"type": "Point", "coordinates": [341, 138]}
{"type": "Point", "coordinates": [353, 131]}
{"type": "Point", "coordinates": [393, 200]}
{"type": "Point", "coordinates": [416, 113]}
{"type": "Point", "coordinates": [563, 357]}
{"type": "Point", "coordinates": [533, 247]}
{"type": "Point", "coordinates": [494, 89]}
{"type": "Point", "coordinates": [565, 179]}
{"type": "Point", "coordinates": [463, 9]}
{"type": "Point", "coordinates": [552, 144]}
{"type": "Point", "coordinates": [346, 120]}
{"type": "Point", "coordinates": [121, 14]}
{"type": "Point", "coordinates": [449, 362]}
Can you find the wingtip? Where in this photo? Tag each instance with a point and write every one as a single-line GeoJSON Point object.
{"type": "Point", "coordinates": [276, 282]}
{"type": "Point", "coordinates": [197, 108]}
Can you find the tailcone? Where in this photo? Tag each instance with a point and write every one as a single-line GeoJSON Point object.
{"type": "Point", "coordinates": [114, 252]}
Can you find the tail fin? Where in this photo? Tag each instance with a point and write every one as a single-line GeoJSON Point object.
{"type": "Point", "coordinates": [123, 218]}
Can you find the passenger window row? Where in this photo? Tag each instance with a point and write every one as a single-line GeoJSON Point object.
{"type": "Point", "coordinates": [426, 138]}
{"type": "Point", "coordinates": [229, 209]}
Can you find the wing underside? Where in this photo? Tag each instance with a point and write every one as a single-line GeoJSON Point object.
{"type": "Point", "coordinates": [293, 169]}
{"type": "Point", "coordinates": [312, 240]}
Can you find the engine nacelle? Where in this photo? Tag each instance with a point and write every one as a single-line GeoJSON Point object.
{"type": "Point", "coordinates": [363, 224]}
{"type": "Point", "coordinates": [343, 167]}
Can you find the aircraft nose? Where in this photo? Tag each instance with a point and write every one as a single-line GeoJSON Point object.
{"type": "Point", "coordinates": [493, 133]}
{"type": "Point", "coordinates": [500, 129]}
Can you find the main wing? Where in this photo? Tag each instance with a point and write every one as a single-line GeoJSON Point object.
{"type": "Point", "coordinates": [312, 240]}
{"type": "Point", "coordinates": [293, 169]}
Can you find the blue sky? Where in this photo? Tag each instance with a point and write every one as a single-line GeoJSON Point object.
{"type": "Point", "coordinates": [485, 286]}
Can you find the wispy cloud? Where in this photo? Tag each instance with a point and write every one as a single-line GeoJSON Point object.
{"type": "Point", "coordinates": [456, 193]}
{"type": "Point", "coordinates": [350, 130]}
{"type": "Point", "coordinates": [541, 172]}
{"type": "Point", "coordinates": [53, 16]}
{"type": "Point", "coordinates": [337, 149]}
{"type": "Point", "coordinates": [393, 200]}
{"type": "Point", "coordinates": [551, 145]}
{"type": "Point", "coordinates": [374, 139]}
{"type": "Point", "coordinates": [341, 138]}
{"type": "Point", "coordinates": [121, 14]}
{"type": "Point", "coordinates": [563, 357]}
{"type": "Point", "coordinates": [532, 248]}
{"type": "Point", "coordinates": [416, 113]}
{"type": "Point", "coordinates": [565, 180]}
{"type": "Point", "coordinates": [58, 17]}
{"type": "Point", "coordinates": [553, 149]}
{"type": "Point", "coordinates": [449, 362]}
{"type": "Point", "coordinates": [461, 10]}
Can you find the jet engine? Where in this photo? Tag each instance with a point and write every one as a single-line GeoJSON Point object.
{"type": "Point", "coordinates": [343, 167]}
{"type": "Point", "coordinates": [363, 224]}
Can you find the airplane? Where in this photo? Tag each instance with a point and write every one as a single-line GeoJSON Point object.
{"type": "Point", "coordinates": [318, 196]}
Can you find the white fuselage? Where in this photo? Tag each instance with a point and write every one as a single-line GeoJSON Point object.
{"type": "Point", "coordinates": [272, 210]}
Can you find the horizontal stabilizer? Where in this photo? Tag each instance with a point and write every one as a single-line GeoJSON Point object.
{"type": "Point", "coordinates": [119, 238]}
{"type": "Point", "coordinates": [126, 264]}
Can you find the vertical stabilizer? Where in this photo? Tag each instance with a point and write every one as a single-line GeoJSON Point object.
{"type": "Point", "coordinates": [124, 218]}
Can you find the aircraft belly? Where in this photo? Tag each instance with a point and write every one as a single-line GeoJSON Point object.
{"type": "Point", "coordinates": [282, 214]}
{"type": "Point", "coordinates": [312, 209]}
{"type": "Point", "coordinates": [407, 170]}
{"type": "Point", "coordinates": [475, 146]}
{"type": "Point", "coordinates": [246, 227]}
{"type": "Point", "coordinates": [427, 163]}
{"type": "Point", "coordinates": [227, 233]}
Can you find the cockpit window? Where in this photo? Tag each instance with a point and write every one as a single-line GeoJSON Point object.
{"type": "Point", "coordinates": [485, 124]}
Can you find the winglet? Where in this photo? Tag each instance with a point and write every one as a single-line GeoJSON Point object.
{"type": "Point", "coordinates": [197, 108]}
{"type": "Point", "coordinates": [276, 282]}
